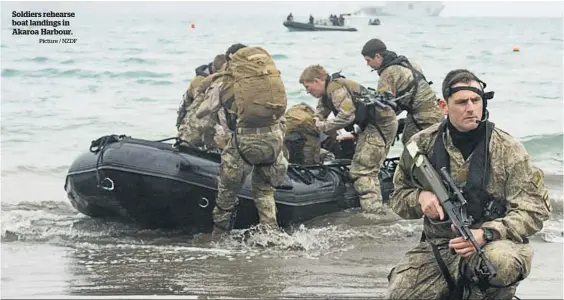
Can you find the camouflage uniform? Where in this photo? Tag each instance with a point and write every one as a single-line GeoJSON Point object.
{"type": "Point", "coordinates": [234, 170]}
{"type": "Point", "coordinates": [417, 275]}
{"type": "Point", "coordinates": [189, 96]}
{"type": "Point", "coordinates": [264, 145]}
{"type": "Point", "coordinates": [371, 150]}
{"type": "Point", "coordinates": [196, 131]}
{"type": "Point", "coordinates": [425, 109]}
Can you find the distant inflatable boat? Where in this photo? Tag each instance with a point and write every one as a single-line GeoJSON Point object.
{"type": "Point", "coordinates": [161, 185]}
{"type": "Point", "coordinates": [298, 26]}
{"type": "Point", "coordinates": [374, 22]}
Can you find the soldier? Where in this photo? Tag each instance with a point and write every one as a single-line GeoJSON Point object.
{"type": "Point", "coordinates": [201, 72]}
{"type": "Point", "coordinates": [198, 132]}
{"type": "Point", "coordinates": [338, 95]}
{"type": "Point", "coordinates": [399, 76]}
{"type": "Point", "coordinates": [251, 101]}
{"type": "Point", "coordinates": [303, 138]}
{"type": "Point", "coordinates": [507, 199]}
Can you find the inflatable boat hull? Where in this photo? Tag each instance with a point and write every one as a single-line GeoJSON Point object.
{"type": "Point", "coordinates": [158, 185]}
{"type": "Point", "coordinates": [298, 26]}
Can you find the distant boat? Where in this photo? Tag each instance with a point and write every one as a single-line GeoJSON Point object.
{"type": "Point", "coordinates": [404, 9]}
{"type": "Point", "coordinates": [318, 26]}
{"type": "Point", "coordinates": [374, 22]}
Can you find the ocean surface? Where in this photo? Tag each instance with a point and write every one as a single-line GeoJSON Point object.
{"type": "Point", "coordinates": [126, 75]}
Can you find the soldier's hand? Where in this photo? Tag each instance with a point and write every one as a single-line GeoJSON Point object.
{"type": "Point", "coordinates": [465, 248]}
{"type": "Point", "coordinates": [430, 205]}
{"type": "Point", "coordinates": [345, 136]}
{"type": "Point", "coordinates": [219, 130]}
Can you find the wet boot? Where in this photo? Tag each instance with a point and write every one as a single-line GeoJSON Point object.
{"type": "Point", "coordinates": [377, 207]}
{"type": "Point", "coordinates": [218, 232]}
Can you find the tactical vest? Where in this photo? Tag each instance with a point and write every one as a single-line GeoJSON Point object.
{"type": "Point", "coordinates": [337, 81]}
{"type": "Point", "coordinates": [413, 86]}
{"type": "Point", "coordinates": [481, 205]}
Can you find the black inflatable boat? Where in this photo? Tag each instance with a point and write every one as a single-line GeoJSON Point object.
{"type": "Point", "coordinates": [161, 185]}
{"type": "Point", "coordinates": [299, 26]}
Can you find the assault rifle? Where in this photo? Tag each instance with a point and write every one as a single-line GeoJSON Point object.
{"type": "Point", "coordinates": [451, 199]}
{"type": "Point", "coordinates": [381, 99]}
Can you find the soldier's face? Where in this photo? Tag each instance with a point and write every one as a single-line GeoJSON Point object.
{"type": "Point", "coordinates": [463, 108]}
{"type": "Point", "coordinates": [316, 88]}
{"type": "Point", "coordinates": [374, 63]}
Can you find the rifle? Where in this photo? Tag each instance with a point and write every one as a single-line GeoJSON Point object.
{"type": "Point", "coordinates": [380, 99]}
{"type": "Point", "coordinates": [451, 199]}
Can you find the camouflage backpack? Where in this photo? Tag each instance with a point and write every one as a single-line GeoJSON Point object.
{"type": "Point", "coordinates": [300, 118]}
{"type": "Point", "coordinates": [260, 95]}
{"type": "Point", "coordinates": [302, 136]}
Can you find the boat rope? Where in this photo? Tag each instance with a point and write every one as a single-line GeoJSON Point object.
{"type": "Point", "coordinates": [177, 139]}
{"type": "Point", "coordinates": [99, 146]}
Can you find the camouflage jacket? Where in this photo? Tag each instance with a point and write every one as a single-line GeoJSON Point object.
{"type": "Point", "coordinates": [188, 99]}
{"type": "Point", "coordinates": [512, 177]}
{"type": "Point", "coordinates": [424, 109]}
{"type": "Point", "coordinates": [214, 97]}
{"type": "Point", "coordinates": [343, 103]}
{"type": "Point", "coordinates": [339, 93]}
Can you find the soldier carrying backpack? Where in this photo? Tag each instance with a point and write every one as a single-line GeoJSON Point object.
{"type": "Point", "coordinates": [250, 100]}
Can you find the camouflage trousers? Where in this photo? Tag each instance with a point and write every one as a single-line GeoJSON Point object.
{"type": "Point", "coordinates": [258, 148]}
{"type": "Point", "coordinates": [417, 275]}
{"type": "Point", "coordinates": [370, 153]}
{"type": "Point", "coordinates": [426, 117]}
{"type": "Point", "coordinates": [198, 132]}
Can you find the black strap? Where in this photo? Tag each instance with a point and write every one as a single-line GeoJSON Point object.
{"type": "Point", "coordinates": [454, 291]}
{"type": "Point", "coordinates": [414, 84]}
{"type": "Point", "coordinates": [236, 142]}
{"type": "Point", "coordinates": [99, 146]}
{"type": "Point", "coordinates": [381, 133]}
{"type": "Point", "coordinates": [231, 124]}
{"type": "Point", "coordinates": [478, 173]}
{"type": "Point", "coordinates": [329, 102]}
{"type": "Point", "coordinates": [417, 76]}
{"type": "Point", "coordinates": [231, 119]}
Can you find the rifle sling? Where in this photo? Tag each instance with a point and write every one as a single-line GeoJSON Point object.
{"type": "Point", "coordinates": [454, 291]}
{"type": "Point", "coordinates": [413, 85]}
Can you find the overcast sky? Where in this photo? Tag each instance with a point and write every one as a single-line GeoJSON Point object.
{"type": "Point", "coordinates": [504, 8]}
